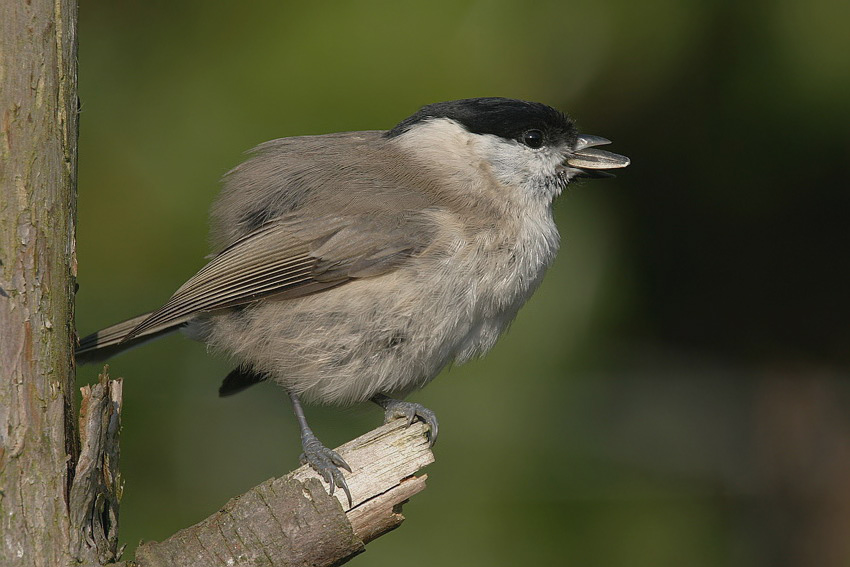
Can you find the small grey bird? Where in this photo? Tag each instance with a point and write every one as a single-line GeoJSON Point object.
{"type": "Point", "coordinates": [356, 266]}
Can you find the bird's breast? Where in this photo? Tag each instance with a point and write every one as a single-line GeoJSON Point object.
{"type": "Point", "coordinates": [505, 267]}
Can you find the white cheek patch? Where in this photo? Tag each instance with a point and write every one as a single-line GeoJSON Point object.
{"type": "Point", "coordinates": [535, 173]}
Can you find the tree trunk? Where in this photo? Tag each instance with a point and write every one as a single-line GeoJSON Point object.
{"type": "Point", "coordinates": [38, 162]}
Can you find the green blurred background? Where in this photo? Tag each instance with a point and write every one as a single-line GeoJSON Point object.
{"type": "Point", "coordinates": [676, 392]}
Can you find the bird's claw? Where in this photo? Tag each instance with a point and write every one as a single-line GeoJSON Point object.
{"type": "Point", "coordinates": [327, 463]}
{"type": "Point", "coordinates": [411, 411]}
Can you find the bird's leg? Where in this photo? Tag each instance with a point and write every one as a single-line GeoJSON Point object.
{"type": "Point", "coordinates": [324, 461]}
{"type": "Point", "coordinates": [398, 408]}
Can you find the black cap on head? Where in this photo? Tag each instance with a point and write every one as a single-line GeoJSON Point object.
{"type": "Point", "coordinates": [504, 117]}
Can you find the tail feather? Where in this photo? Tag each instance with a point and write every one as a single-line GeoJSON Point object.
{"type": "Point", "coordinates": [108, 342]}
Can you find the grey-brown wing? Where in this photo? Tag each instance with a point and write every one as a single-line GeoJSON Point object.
{"type": "Point", "coordinates": [291, 259]}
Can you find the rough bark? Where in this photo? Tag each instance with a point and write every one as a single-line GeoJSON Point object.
{"type": "Point", "coordinates": [38, 131]}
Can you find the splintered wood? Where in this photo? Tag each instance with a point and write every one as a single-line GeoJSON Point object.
{"type": "Point", "coordinates": [383, 463]}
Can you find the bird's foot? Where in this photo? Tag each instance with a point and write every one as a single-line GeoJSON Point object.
{"type": "Point", "coordinates": [326, 462]}
{"type": "Point", "coordinates": [409, 410]}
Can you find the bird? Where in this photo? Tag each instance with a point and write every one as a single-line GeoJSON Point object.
{"type": "Point", "coordinates": [356, 266]}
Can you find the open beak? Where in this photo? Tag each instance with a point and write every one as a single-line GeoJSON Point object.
{"type": "Point", "coordinates": [592, 162]}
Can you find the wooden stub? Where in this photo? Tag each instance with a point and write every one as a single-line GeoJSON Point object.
{"type": "Point", "coordinates": [376, 516]}
{"type": "Point", "coordinates": [96, 489]}
{"type": "Point", "coordinates": [293, 520]}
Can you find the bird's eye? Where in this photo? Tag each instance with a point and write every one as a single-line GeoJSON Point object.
{"type": "Point", "coordinates": [533, 138]}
